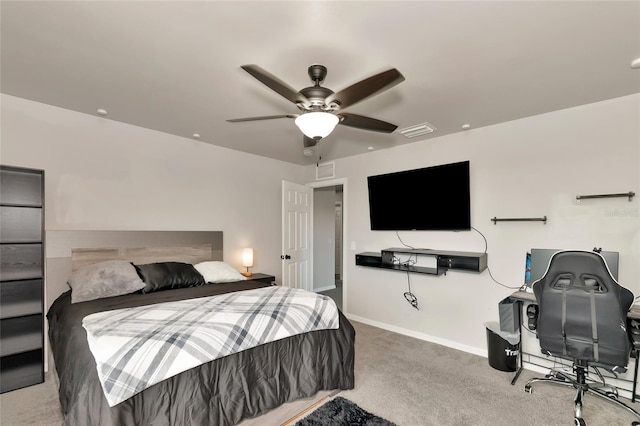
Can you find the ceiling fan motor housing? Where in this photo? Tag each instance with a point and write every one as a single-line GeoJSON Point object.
{"type": "Point", "coordinates": [316, 95]}
{"type": "Point", "coordinates": [317, 73]}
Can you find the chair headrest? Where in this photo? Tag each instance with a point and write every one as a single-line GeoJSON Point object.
{"type": "Point", "coordinates": [583, 281]}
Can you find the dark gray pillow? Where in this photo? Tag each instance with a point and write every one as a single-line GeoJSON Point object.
{"type": "Point", "coordinates": [104, 279]}
{"type": "Point", "coordinates": [168, 275]}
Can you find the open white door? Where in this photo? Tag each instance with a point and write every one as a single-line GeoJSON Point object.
{"type": "Point", "coordinates": [296, 232]}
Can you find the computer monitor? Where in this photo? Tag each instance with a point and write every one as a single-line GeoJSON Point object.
{"type": "Point", "coordinates": [540, 261]}
{"type": "Point", "coordinates": [527, 269]}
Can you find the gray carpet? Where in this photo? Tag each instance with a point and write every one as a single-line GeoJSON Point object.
{"type": "Point", "coordinates": [412, 382]}
{"type": "Point", "coordinates": [32, 406]}
{"type": "Point", "coordinates": [404, 380]}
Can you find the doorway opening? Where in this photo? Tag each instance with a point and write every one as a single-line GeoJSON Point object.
{"type": "Point", "coordinates": [329, 241]}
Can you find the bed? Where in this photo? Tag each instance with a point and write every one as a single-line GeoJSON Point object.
{"type": "Point", "coordinates": [220, 392]}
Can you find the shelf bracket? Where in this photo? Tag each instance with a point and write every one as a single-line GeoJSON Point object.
{"type": "Point", "coordinates": [495, 220]}
{"type": "Point", "coordinates": [629, 194]}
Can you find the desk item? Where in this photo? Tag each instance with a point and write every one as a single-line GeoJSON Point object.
{"type": "Point", "coordinates": [540, 258]}
{"type": "Point", "coordinates": [509, 314]}
{"type": "Point", "coordinates": [581, 310]}
{"type": "Point", "coordinates": [532, 317]}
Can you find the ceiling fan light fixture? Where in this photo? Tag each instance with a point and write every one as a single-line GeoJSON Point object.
{"type": "Point", "coordinates": [317, 124]}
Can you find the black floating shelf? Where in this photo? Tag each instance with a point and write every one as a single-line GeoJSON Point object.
{"type": "Point", "coordinates": [495, 220]}
{"type": "Point", "coordinates": [629, 194]}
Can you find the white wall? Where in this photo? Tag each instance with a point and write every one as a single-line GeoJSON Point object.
{"type": "Point", "coordinates": [104, 175]}
{"type": "Point", "coordinates": [526, 168]}
{"type": "Point", "coordinates": [101, 174]}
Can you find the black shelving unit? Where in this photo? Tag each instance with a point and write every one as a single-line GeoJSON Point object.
{"type": "Point", "coordinates": [444, 260]}
{"type": "Point", "coordinates": [21, 277]}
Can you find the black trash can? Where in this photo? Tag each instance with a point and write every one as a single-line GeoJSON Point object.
{"type": "Point", "coordinates": [502, 348]}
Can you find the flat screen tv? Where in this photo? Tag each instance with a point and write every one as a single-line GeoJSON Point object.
{"type": "Point", "coordinates": [428, 199]}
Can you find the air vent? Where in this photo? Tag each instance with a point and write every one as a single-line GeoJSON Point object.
{"type": "Point", "coordinates": [418, 130]}
{"type": "Point", "coordinates": [325, 171]}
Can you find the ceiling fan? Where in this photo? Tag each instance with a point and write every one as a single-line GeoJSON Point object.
{"type": "Point", "coordinates": [321, 108]}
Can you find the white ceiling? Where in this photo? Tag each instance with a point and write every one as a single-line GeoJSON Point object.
{"type": "Point", "coordinates": [175, 66]}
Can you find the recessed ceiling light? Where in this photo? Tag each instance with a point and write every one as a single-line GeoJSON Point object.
{"type": "Point", "coordinates": [635, 64]}
{"type": "Point", "coordinates": [466, 126]}
{"type": "Point", "coordinates": [307, 152]}
{"type": "Point", "coordinates": [196, 135]}
{"type": "Point", "coordinates": [370, 148]}
{"type": "Point", "coordinates": [102, 112]}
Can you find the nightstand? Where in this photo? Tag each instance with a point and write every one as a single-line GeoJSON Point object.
{"type": "Point", "coordinates": [263, 278]}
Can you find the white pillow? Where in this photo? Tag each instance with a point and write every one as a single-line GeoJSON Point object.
{"type": "Point", "coordinates": [218, 272]}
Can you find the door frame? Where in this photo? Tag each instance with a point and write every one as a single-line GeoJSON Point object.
{"type": "Point", "coordinates": [345, 252]}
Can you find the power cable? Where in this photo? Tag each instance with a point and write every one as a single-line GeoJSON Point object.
{"type": "Point", "coordinates": [486, 246]}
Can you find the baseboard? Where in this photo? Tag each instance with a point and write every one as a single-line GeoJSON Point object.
{"type": "Point", "coordinates": [421, 336]}
{"type": "Point", "coordinates": [325, 288]}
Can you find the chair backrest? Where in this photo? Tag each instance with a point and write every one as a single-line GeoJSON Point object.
{"type": "Point", "coordinates": [583, 310]}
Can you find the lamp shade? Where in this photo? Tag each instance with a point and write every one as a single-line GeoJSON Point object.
{"type": "Point", "coordinates": [247, 257]}
{"type": "Point", "coordinates": [317, 125]}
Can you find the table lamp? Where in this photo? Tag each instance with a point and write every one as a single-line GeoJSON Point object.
{"type": "Point", "coordinates": [247, 261]}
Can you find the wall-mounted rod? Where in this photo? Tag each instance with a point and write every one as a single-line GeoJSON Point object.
{"type": "Point", "coordinates": [629, 194]}
{"type": "Point", "coordinates": [520, 219]}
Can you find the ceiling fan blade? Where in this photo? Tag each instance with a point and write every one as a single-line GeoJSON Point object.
{"type": "Point", "coordinates": [265, 117]}
{"type": "Point", "coordinates": [365, 123]}
{"type": "Point", "coordinates": [365, 88]}
{"type": "Point", "coordinates": [308, 142]}
{"type": "Point", "coordinates": [275, 84]}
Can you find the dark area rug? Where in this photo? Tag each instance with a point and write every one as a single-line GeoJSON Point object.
{"type": "Point", "coordinates": [342, 412]}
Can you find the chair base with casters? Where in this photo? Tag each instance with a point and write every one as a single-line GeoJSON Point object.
{"type": "Point", "coordinates": [578, 380]}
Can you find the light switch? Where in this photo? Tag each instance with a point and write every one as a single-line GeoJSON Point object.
{"type": "Point", "coordinates": [353, 245]}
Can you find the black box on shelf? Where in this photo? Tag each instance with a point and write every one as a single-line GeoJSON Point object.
{"type": "Point", "coordinates": [476, 262]}
{"type": "Point", "coordinates": [369, 259]}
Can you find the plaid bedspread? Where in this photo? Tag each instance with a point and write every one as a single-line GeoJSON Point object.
{"type": "Point", "coordinates": [135, 348]}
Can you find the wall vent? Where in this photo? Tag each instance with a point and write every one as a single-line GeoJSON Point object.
{"type": "Point", "coordinates": [418, 130]}
{"type": "Point", "coordinates": [325, 170]}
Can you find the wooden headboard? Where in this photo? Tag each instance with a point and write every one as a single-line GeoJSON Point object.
{"type": "Point", "coordinates": [140, 255]}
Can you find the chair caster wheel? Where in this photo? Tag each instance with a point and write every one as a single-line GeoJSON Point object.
{"type": "Point", "coordinates": [579, 422]}
{"type": "Point", "coordinates": [527, 388]}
